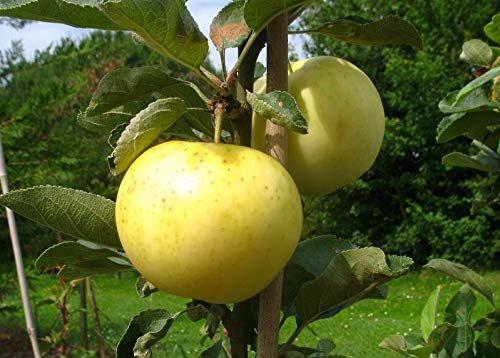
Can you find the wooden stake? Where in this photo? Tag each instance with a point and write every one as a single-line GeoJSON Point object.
{"type": "Point", "coordinates": [276, 146]}
{"type": "Point", "coordinates": [18, 257]}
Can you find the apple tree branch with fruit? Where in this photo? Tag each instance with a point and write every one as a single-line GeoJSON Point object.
{"type": "Point", "coordinates": [203, 211]}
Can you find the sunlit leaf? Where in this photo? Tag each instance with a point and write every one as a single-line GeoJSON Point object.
{"type": "Point", "coordinates": [166, 26]}
{"type": "Point", "coordinates": [280, 108]}
{"type": "Point", "coordinates": [464, 274]}
{"type": "Point", "coordinates": [143, 130]}
{"type": "Point", "coordinates": [477, 52]}
{"type": "Point", "coordinates": [76, 13]}
{"type": "Point", "coordinates": [72, 212]}
{"type": "Point", "coordinates": [229, 29]}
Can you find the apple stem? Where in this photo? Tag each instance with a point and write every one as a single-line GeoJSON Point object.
{"type": "Point", "coordinates": [276, 146]}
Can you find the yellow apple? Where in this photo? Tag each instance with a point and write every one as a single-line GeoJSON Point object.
{"type": "Point", "coordinates": [346, 124]}
{"type": "Point", "coordinates": [215, 222]}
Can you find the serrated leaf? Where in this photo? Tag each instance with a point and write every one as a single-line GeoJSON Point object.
{"type": "Point", "coordinates": [125, 85]}
{"type": "Point", "coordinates": [106, 122]}
{"type": "Point", "coordinates": [477, 83]}
{"type": "Point", "coordinates": [280, 108]}
{"type": "Point", "coordinates": [72, 212]}
{"type": "Point", "coordinates": [477, 53]}
{"type": "Point", "coordinates": [95, 267]}
{"type": "Point", "coordinates": [476, 100]}
{"type": "Point", "coordinates": [316, 253]}
{"type": "Point", "coordinates": [492, 29]}
{"type": "Point", "coordinates": [458, 313]}
{"type": "Point", "coordinates": [349, 277]}
{"type": "Point", "coordinates": [480, 162]}
{"type": "Point", "coordinates": [144, 129]}
{"type": "Point", "coordinates": [391, 30]}
{"type": "Point", "coordinates": [429, 314]}
{"type": "Point", "coordinates": [144, 288]}
{"type": "Point", "coordinates": [130, 90]}
{"type": "Point", "coordinates": [229, 29]}
{"type": "Point", "coordinates": [145, 329]}
{"type": "Point", "coordinates": [76, 13]}
{"type": "Point", "coordinates": [216, 351]}
{"type": "Point", "coordinates": [464, 274]}
{"type": "Point", "coordinates": [399, 264]}
{"type": "Point", "coordinates": [167, 27]}
{"type": "Point", "coordinates": [73, 252]}
{"type": "Point", "coordinates": [115, 135]}
{"type": "Point", "coordinates": [259, 13]}
{"type": "Point", "coordinates": [308, 261]}
{"type": "Point", "coordinates": [461, 123]}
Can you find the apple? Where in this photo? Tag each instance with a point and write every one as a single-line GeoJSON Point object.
{"type": "Point", "coordinates": [346, 124]}
{"type": "Point", "coordinates": [215, 222]}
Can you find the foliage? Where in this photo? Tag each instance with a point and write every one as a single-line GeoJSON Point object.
{"type": "Point", "coordinates": [473, 113]}
{"type": "Point", "coordinates": [408, 203]}
{"type": "Point", "coordinates": [141, 106]}
{"type": "Point", "coordinates": [456, 336]}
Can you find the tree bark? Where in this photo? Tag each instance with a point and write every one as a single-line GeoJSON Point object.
{"type": "Point", "coordinates": [276, 146]}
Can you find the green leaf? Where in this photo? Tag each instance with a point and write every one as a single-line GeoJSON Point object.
{"type": "Point", "coordinates": [76, 13]}
{"type": "Point", "coordinates": [480, 162]}
{"type": "Point", "coordinates": [477, 53]}
{"type": "Point", "coordinates": [492, 29]}
{"type": "Point", "coordinates": [145, 329]}
{"type": "Point", "coordinates": [429, 314]}
{"type": "Point", "coordinates": [315, 254]}
{"type": "Point", "coordinates": [349, 277]}
{"type": "Point", "coordinates": [167, 27]}
{"type": "Point", "coordinates": [391, 30]}
{"type": "Point", "coordinates": [260, 69]}
{"type": "Point", "coordinates": [325, 346]}
{"type": "Point", "coordinates": [72, 212]}
{"type": "Point", "coordinates": [458, 313]}
{"type": "Point", "coordinates": [125, 85]}
{"type": "Point", "coordinates": [476, 100]}
{"type": "Point", "coordinates": [216, 351]}
{"type": "Point", "coordinates": [106, 122]}
{"type": "Point", "coordinates": [95, 267]}
{"type": "Point", "coordinates": [464, 274]}
{"type": "Point", "coordinates": [144, 288]}
{"type": "Point", "coordinates": [461, 123]}
{"type": "Point", "coordinates": [115, 135]}
{"type": "Point", "coordinates": [300, 352]}
{"type": "Point", "coordinates": [143, 130]}
{"type": "Point", "coordinates": [439, 336]}
{"type": "Point", "coordinates": [129, 90]}
{"type": "Point", "coordinates": [259, 13]}
{"type": "Point", "coordinates": [73, 252]}
{"type": "Point", "coordinates": [280, 108]}
{"type": "Point", "coordinates": [477, 83]}
{"type": "Point", "coordinates": [229, 29]}
{"type": "Point", "coordinates": [486, 195]}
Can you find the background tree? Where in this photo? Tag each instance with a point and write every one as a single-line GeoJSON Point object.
{"type": "Point", "coordinates": [409, 202]}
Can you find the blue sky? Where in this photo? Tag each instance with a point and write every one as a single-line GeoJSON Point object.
{"type": "Point", "coordinates": [40, 35]}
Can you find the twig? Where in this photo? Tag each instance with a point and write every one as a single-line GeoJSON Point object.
{"type": "Point", "coordinates": [95, 316]}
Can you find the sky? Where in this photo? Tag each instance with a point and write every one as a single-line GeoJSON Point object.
{"type": "Point", "coordinates": [39, 35]}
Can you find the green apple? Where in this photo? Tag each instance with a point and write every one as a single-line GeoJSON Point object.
{"type": "Point", "coordinates": [346, 124]}
{"type": "Point", "coordinates": [215, 222]}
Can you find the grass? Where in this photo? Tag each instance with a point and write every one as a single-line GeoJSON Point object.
{"type": "Point", "coordinates": [356, 330]}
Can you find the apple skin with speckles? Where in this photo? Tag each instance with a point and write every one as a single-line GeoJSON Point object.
{"type": "Point", "coordinates": [214, 222]}
{"type": "Point", "coordinates": [345, 119]}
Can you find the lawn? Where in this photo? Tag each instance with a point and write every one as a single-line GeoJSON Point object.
{"type": "Point", "coordinates": [356, 331]}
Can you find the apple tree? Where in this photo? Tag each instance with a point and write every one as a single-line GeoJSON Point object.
{"type": "Point", "coordinates": [199, 214]}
